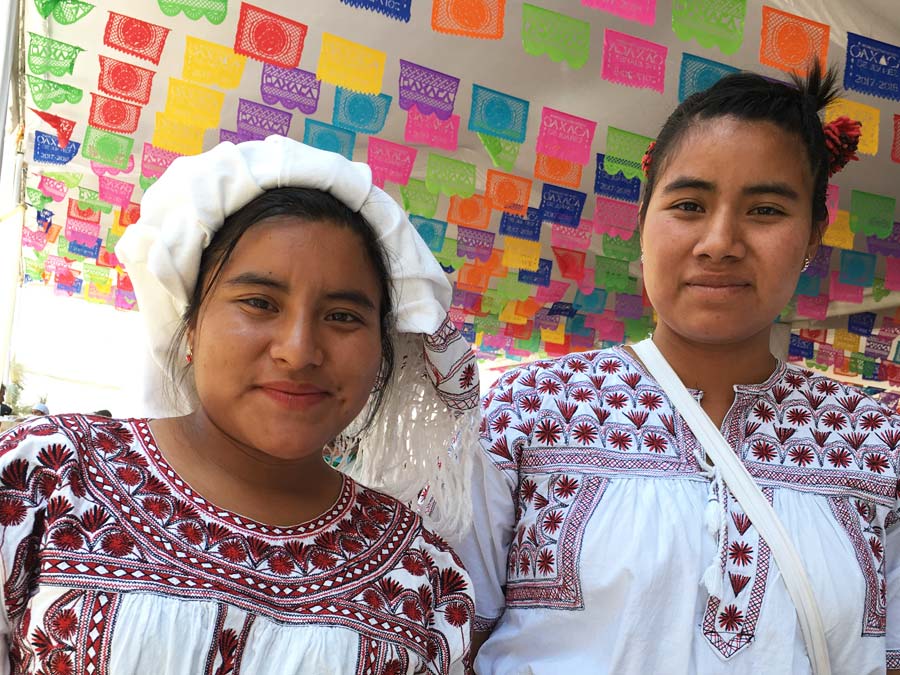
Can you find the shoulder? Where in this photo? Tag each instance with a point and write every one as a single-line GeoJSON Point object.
{"type": "Point", "coordinates": [564, 369]}
{"type": "Point", "coordinates": [382, 508]}
{"type": "Point", "coordinates": [30, 436]}
{"type": "Point", "coordinates": [59, 441]}
{"type": "Point", "coordinates": [822, 392]}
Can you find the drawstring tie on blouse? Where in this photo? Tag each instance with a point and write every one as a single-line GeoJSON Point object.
{"type": "Point", "coordinates": [716, 521]}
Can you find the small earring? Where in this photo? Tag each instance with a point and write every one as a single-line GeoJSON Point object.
{"type": "Point", "coordinates": [806, 262]}
{"type": "Point", "coordinates": [189, 357]}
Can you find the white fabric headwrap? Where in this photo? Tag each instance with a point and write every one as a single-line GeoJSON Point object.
{"type": "Point", "coordinates": [161, 253]}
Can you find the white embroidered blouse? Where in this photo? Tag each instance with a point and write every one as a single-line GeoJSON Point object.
{"type": "Point", "coordinates": [591, 535]}
{"type": "Point", "coordinates": [112, 564]}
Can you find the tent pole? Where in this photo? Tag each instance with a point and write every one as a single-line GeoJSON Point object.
{"type": "Point", "coordinates": [11, 165]}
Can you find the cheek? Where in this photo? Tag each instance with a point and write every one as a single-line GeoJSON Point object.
{"type": "Point", "coordinates": [358, 360]}
{"type": "Point", "coordinates": [223, 341]}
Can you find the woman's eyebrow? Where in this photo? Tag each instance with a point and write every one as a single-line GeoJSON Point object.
{"type": "Point", "coordinates": [776, 188]}
{"type": "Point", "coordinates": [356, 297]}
{"type": "Point", "coordinates": [689, 183]}
{"type": "Point", "coordinates": [256, 279]}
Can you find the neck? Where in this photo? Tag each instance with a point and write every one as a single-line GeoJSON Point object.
{"type": "Point", "coordinates": [243, 479]}
{"type": "Point", "coordinates": [715, 369]}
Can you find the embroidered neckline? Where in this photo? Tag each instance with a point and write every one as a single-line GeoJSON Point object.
{"type": "Point", "coordinates": [774, 377]}
{"type": "Point", "coordinates": [240, 523]}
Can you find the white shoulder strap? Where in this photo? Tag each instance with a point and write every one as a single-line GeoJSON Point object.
{"type": "Point", "coordinates": [751, 499]}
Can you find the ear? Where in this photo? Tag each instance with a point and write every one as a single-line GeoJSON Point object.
{"type": "Point", "coordinates": [817, 232]}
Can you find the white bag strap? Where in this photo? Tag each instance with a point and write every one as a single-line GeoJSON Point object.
{"type": "Point", "coordinates": [751, 499]}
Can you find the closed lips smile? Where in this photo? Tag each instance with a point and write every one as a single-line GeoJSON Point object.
{"type": "Point", "coordinates": [294, 396]}
{"type": "Point", "coordinates": [717, 282]}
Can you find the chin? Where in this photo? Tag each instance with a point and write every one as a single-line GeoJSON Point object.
{"type": "Point", "coordinates": [285, 446]}
{"type": "Point", "coordinates": [721, 334]}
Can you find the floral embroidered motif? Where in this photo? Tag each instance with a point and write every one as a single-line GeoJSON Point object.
{"type": "Point", "coordinates": [859, 521]}
{"type": "Point", "coordinates": [110, 516]}
{"type": "Point", "coordinates": [729, 622]}
{"type": "Point", "coordinates": [562, 430]}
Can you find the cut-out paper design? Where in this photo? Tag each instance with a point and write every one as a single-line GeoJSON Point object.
{"type": "Point", "coordinates": [142, 39]}
{"type": "Point", "coordinates": [431, 91]}
{"type": "Point", "coordinates": [562, 206]}
{"type": "Point", "coordinates": [290, 87]}
{"type": "Point", "coordinates": [350, 65]}
{"type": "Point", "coordinates": [49, 56]}
{"type": "Point", "coordinates": [869, 116]}
{"type": "Point", "coordinates": [481, 19]}
{"type": "Point", "coordinates": [64, 12]}
{"type": "Point", "coordinates": [431, 130]}
{"type": "Point", "coordinates": [125, 80]}
{"type": "Point", "coordinates": [449, 176]}
{"type": "Point", "coordinates": [642, 11]}
{"type": "Point", "coordinates": [111, 114]}
{"type": "Point", "coordinates": [633, 62]}
{"type": "Point", "coordinates": [176, 136]}
{"type": "Point", "coordinates": [498, 114]}
{"type": "Point", "coordinates": [474, 211]}
{"type": "Point", "coordinates": [508, 192]}
{"type": "Point", "coordinates": [107, 148]}
{"type": "Point", "coordinates": [523, 227]}
{"type": "Point", "coordinates": [790, 42]}
{"type": "Point", "coordinates": [213, 64]}
{"type": "Point", "coordinates": [561, 37]}
{"type": "Point", "coordinates": [45, 93]}
{"type": "Point", "coordinates": [49, 150]}
{"type": "Point", "coordinates": [213, 11]}
{"type": "Point", "coordinates": [872, 214]}
{"type": "Point", "coordinates": [154, 161]}
{"type": "Point", "coordinates": [417, 199]}
{"type": "Point", "coordinates": [712, 23]}
{"type": "Point", "coordinates": [699, 74]}
{"type": "Point", "coordinates": [395, 9]}
{"type": "Point", "coordinates": [329, 137]}
{"type": "Point", "coordinates": [269, 37]}
{"type": "Point", "coordinates": [564, 136]}
{"type": "Point", "coordinates": [558, 171]}
{"type": "Point", "coordinates": [390, 161]}
{"type": "Point", "coordinates": [362, 113]}
{"type": "Point", "coordinates": [63, 126]}
{"type": "Point", "coordinates": [872, 67]}
{"type": "Point", "coordinates": [503, 153]}
{"type": "Point", "coordinates": [193, 104]}
{"type": "Point", "coordinates": [624, 152]}
{"type": "Point", "coordinates": [615, 185]}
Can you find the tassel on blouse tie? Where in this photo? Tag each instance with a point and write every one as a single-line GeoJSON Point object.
{"type": "Point", "coordinates": [715, 519]}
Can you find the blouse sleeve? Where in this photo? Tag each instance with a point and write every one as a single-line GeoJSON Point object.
{"type": "Point", "coordinates": [485, 547]}
{"type": "Point", "coordinates": [449, 603]}
{"type": "Point", "coordinates": [892, 583]}
{"type": "Point", "coordinates": [33, 456]}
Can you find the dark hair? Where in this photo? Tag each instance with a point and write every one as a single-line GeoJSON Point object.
{"type": "Point", "coordinates": [103, 412]}
{"type": "Point", "coordinates": [310, 205]}
{"type": "Point", "coordinates": [752, 97]}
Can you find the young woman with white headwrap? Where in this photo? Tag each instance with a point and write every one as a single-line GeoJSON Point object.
{"type": "Point", "coordinates": [279, 288]}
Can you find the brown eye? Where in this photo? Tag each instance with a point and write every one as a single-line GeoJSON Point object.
{"type": "Point", "coordinates": [343, 317]}
{"type": "Point", "coordinates": [767, 211]}
{"type": "Point", "coordinates": [690, 207]}
{"type": "Point", "coordinates": [258, 303]}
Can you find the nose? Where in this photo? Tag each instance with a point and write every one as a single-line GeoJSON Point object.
{"type": "Point", "coordinates": [721, 237]}
{"type": "Point", "coordinates": [297, 342]}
